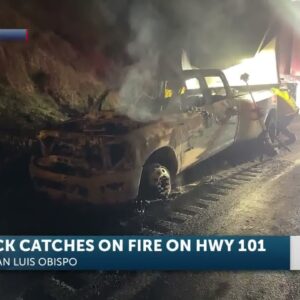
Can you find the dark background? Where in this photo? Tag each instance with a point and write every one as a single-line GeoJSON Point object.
{"type": "Point", "coordinates": [77, 49]}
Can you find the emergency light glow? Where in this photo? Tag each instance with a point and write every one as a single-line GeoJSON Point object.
{"type": "Point", "coordinates": [262, 68]}
{"type": "Point", "coordinates": [192, 84]}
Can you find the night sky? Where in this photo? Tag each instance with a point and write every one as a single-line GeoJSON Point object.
{"type": "Point", "coordinates": [215, 33]}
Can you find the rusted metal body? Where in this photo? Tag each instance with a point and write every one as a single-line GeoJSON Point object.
{"type": "Point", "coordinates": [100, 160]}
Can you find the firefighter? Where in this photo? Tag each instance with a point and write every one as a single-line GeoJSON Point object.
{"type": "Point", "coordinates": [287, 111]}
{"type": "Point", "coordinates": [174, 91]}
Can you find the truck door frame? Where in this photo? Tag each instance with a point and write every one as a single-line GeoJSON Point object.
{"type": "Point", "coordinates": [228, 126]}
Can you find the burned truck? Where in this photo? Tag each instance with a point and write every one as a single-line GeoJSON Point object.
{"type": "Point", "coordinates": [110, 158]}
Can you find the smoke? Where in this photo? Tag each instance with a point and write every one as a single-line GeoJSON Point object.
{"type": "Point", "coordinates": [214, 33]}
{"type": "Point", "coordinates": [217, 32]}
{"type": "Point", "coordinates": [152, 36]}
{"type": "Point", "coordinates": [139, 86]}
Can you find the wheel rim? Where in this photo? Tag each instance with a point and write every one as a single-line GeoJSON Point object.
{"type": "Point", "coordinates": [164, 186]}
{"type": "Point", "coordinates": [160, 181]}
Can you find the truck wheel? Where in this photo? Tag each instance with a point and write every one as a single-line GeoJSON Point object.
{"type": "Point", "coordinates": [271, 127]}
{"type": "Point", "coordinates": [156, 182]}
{"type": "Point", "coordinates": [270, 138]}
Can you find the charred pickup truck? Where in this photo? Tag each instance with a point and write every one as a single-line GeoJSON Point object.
{"type": "Point", "coordinates": [113, 159]}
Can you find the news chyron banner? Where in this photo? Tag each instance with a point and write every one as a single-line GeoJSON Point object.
{"type": "Point", "coordinates": [190, 253]}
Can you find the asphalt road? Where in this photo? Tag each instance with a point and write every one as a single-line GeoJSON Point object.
{"type": "Point", "coordinates": [256, 199]}
{"type": "Point", "coordinates": [268, 205]}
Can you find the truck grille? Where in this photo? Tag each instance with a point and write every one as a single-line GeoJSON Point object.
{"type": "Point", "coordinates": [62, 149]}
{"type": "Point", "coordinates": [65, 169]}
{"type": "Point", "coordinates": [54, 146]}
{"type": "Point", "coordinates": [86, 153]}
{"type": "Point", "coordinates": [44, 183]}
{"type": "Point", "coordinates": [49, 184]}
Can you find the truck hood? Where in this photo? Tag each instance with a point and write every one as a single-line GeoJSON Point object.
{"type": "Point", "coordinates": [104, 123]}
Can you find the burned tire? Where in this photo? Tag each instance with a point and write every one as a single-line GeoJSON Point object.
{"type": "Point", "coordinates": [269, 141]}
{"type": "Point", "coordinates": [156, 182]}
{"type": "Point", "coordinates": [271, 126]}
